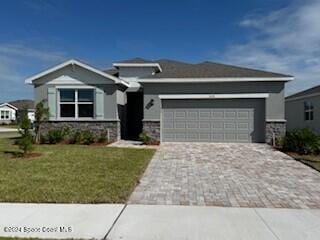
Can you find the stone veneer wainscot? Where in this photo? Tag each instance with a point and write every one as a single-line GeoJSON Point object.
{"type": "Point", "coordinates": [97, 127]}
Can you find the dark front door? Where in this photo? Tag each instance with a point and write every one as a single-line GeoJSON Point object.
{"type": "Point", "coordinates": [134, 114]}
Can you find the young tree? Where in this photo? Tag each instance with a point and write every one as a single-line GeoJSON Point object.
{"type": "Point", "coordinates": [41, 115]}
{"type": "Point", "coordinates": [25, 142]}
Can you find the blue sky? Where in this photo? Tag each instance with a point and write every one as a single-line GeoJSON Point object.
{"type": "Point", "coordinates": [276, 35]}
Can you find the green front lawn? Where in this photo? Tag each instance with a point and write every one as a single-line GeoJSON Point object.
{"type": "Point", "coordinates": [70, 173]}
{"type": "Point", "coordinates": [310, 160]}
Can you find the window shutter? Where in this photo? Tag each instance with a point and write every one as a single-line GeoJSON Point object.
{"type": "Point", "coordinates": [52, 102]}
{"type": "Point", "coordinates": [99, 103]}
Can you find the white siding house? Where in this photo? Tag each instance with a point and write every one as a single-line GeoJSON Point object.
{"type": "Point", "coordinates": [7, 113]}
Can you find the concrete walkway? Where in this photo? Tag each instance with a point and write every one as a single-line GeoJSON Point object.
{"type": "Point", "coordinates": [147, 222]}
{"type": "Point", "coordinates": [6, 129]}
{"type": "Point", "coordinates": [131, 144]}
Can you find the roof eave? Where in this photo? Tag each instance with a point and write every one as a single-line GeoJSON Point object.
{"type": "Point", "coordinates": [187, 80]}
{"type": "Point", "coordinates": [9, 105]}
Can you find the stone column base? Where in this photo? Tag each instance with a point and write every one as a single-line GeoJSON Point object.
{"type": "Point", "coordinates": [275, 130]}
{"type": "Point", "coordinates": [152, 128]}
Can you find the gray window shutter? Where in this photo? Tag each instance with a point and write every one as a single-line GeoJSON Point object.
{"type": "Point", "coordinates": [52, 102]}
{"type": "Point", "coordinates": [99, 103]}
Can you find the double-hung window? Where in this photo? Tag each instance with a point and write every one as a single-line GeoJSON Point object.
{"type": "Point", "coordinates": [5, 115]}
{"type": "Point", "coordinates": [76, 103]}
{"type": "Point", "coordinates": [308, 111]}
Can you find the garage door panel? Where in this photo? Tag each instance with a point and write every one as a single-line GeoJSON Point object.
{"type": "Point", "coordinates": [245, 126]}
{"type": "Point", "coordinates": [230, 126]}
{"type": "Point", "coordinates": [243, 137]}
{"type": "Point", "coordinates": [192, 125]}
{"type": "Point", "coordinates": [205, 125]}
{"type": "Point", "coordinates": [230, 114]}
{"type": "Point", "coordinates": [244, 114]}
{"type": "Point", "coordinates": [168, 125]}
{"type": "Point", "coordinates": [241, 122]}
{"type": "Point", "coordinates": [180, 114]}
{"type": "Point", "coordinates": [217, 125]}
{"type": "Point", "coordinates": [204, 114]}
{"type": "Point", "coordinates": [193, 115]}
{"type": "Point", "coordinates": [179, 125]}
{"type": "Point", "coordinates": [217, 114]}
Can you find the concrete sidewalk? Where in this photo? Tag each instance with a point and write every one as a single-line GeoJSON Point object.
{"type": "Point", "coordinates": [147, 222]}
{"type": "Point", "coordinates": [139, 222]}
{"type": "Point", "coordinates": [72, 221]}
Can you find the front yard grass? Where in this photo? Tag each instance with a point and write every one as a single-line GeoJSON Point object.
{"type": "Point", "coordinates": [70, 173]}
{"type": "Point", "coordinates": [310, 160]}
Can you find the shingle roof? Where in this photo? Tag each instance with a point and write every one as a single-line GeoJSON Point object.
{"type": "Point", "coordinates": [112, 71]}
{"type": "Point", "coordinates": [177, 69]}
{"type": "Point", "coordinates": [313, 90]}
{"type": "Point", "coordinates": [23, 104]}
{"type": "Point", "coordinates": [136, 60]}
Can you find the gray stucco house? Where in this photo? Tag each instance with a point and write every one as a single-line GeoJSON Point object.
{"type": "Point", "coordinates": [170, 100]}
{"type": "Point", "coordinates": [302, 110]}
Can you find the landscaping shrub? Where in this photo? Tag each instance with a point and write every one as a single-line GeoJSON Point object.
{"type": "Point", "coordinates": [87, 137]}
{"type": "Point", "coordinates": [144, 137]}
{"type": "Point", "coordinates": [75, 137]}
{"type": "Point", "coordinates": [55, 136]}
{"type": "Point", "coordinates": [103, 137]}
{"type": "Point", "coordinates": [302, 141]}
{"type": "Point", "coordinates": [26, 140]}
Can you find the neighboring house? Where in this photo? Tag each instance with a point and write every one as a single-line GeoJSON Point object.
{"type": "Point", "coordinates": [303, 109]}
{"type": "Point", "coordinates": [170, 100]}
{"type": "Point", "coordinates": [24, 105]}
{"type": "Point", "coordinates": [7, 113]}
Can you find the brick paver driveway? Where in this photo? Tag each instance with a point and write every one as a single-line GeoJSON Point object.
{"type": "Point", "coordinates": [235, 175]}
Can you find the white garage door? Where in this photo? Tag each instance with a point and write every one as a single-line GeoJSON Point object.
{"type": "Point", "coordinates": [216, 124]}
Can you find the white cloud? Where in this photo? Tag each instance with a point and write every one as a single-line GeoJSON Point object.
{"type": "Point", "coordinates": [286, 40]}
{"type": "Point", "coordinates": [19, 50]}
{"type": "Point", "coordinates": [15, 60]}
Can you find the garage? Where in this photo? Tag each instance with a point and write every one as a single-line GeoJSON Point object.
{"type": "Point", "coordinates": [213, 120]}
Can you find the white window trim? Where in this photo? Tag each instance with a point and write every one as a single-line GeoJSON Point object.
{"type": "Point", "coordinates": [213, 96]}
{"type": "Point", "coordinates": [76, 103]}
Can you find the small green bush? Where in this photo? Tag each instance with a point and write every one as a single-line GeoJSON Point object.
{"type": "Point", "coordinates": [144, 137]}
{"type": "Point", "coordinates": [87, 137]}
{"type": "Point", "coordinates": [55, 136]}
{"type": "Point", "coordinates": [75, 137]}
{"type": "Point", "coordinates": [302, 141]}
{"type": "Point", "coordinates": [103, 137]}
{"type": "Point", "coordinates": [26, 141]}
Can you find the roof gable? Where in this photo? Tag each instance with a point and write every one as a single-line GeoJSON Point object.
{"type": "Point", "coordinates": [8, 105]}
{"type": "Point", "coordinates": [73, 62]}
{"type": "Point", "coordinates": [308, 92]}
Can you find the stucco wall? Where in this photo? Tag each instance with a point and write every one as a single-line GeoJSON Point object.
{"type": "Point", "coordinates": [274, 104]}
{"type": "Point", "coordinates": [295, 114]}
